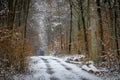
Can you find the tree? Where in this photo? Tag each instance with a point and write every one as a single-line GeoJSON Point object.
{"type": "Point", "coordinates": [71, 22]}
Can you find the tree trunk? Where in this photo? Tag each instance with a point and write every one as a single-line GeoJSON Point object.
{"type": "Point", "coordinates": [84, 29]}
{"type": "Point", "coordinates": [70, 32]}
{"type": "Point", "coordinates": [93, 30]}
{"type": "Point", "coordinates": [101, 27]}
{"type": "Point", "coordinates": [116, 27]}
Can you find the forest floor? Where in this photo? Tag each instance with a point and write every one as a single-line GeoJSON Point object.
{"type": "Point", "coordinates": [52, 68]}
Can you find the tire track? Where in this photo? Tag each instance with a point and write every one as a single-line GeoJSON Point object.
{"type": "Point", "coordinates": [49, 69]}
{"type": "Point", "coordinates": [65, 66]}
{"type": "Point", "coordinates": [69, 69]}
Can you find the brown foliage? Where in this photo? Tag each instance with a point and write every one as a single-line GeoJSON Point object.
{"type": "Point", "coordinates": [13, 51]}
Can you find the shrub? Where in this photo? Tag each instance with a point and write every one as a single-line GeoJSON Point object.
{"type": "Point", "coordinates": [14, 50]}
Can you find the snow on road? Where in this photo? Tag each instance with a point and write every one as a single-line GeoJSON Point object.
{"type": "Point", "coordinates": [52, 68]}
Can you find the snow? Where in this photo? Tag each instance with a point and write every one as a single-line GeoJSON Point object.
{"type": "Point", "coordinates": [90, 68]}
{"type": "Point", "coordinates": [74, 57]}
{"type": "Point", "coordinates": [93, 68]}
{"type": "Point", "coordinates": [56, 24]}
{"type": "Point", "coordinates": [52, 68]}
{"type": "Point", "coordinates": [85, 65]}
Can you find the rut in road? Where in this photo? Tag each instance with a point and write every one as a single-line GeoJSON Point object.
{"type": "Point", "coordinates": [49, 69]}
{"type": "Point", "coordinates": [68, 68]}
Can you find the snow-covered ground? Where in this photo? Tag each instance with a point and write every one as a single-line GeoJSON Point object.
{"type": "Point", "coordinates": [52, 68]}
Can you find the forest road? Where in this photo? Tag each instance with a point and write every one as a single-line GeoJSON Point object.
{"type": "Point", "coordinates": [52, 68]}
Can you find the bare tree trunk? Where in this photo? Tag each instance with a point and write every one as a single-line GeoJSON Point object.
{"type": "Point", "coordinates": [11, 16]}
{"type": "Point", "coordinates": [70, 32]}
{"type": "Point", "coordinates": [84, 29]}
{"type": "Point", "coordinates": [92, 23]}
{"type": "Point", "coordinates": [79, 35]}
{"type": "Point", "coordinates": [101, 27]}
{"type": "Point", "coordinates": [116, 27]}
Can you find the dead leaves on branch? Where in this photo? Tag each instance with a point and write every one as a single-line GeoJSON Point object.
{"type": "Point", "coordinates": [14, 49]}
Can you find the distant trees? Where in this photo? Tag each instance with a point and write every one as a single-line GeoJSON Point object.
{"type": "Point", "coordinates": [57, 29]}
{"type": "Point", "coordinates": [92, 29]}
